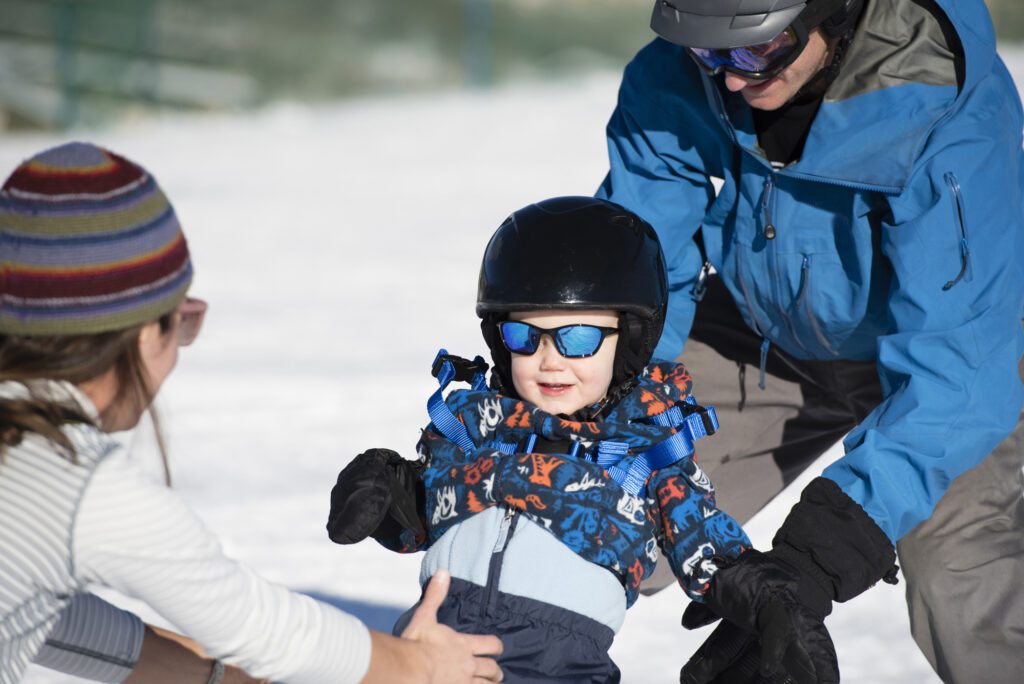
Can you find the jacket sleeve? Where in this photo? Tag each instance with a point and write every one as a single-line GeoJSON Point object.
{"type": "Point", "coordinates": [694, 534]}
{"type": "Point", "coordinates": [949, 369]}
{"type": "Point", "coordinates": [658, 171]}
{"type": "Point", "coordinates": [137, 536]}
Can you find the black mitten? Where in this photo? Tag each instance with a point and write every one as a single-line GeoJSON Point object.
{"type": "Point", "coordinates": [773, 604]}
{"type": "Point", "coordinates": [380, 495]}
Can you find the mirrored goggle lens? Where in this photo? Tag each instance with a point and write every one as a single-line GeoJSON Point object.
{"type": "Point", "coordinates": [520, 338]}
{"type": "Point", "coordinates": [578, 340]}
{"type": "Point", "coordinates": [572, 341]}
{"type": "Point", "coordinates": [753, 59]}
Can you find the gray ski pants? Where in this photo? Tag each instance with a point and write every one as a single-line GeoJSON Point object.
{"type": "Point", "coordinates": [963, 567]}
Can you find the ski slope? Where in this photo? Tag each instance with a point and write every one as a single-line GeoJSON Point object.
{"type": "Point", "coordinates": [338, 247]}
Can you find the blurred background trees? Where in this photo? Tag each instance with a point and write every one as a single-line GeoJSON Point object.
{"type": "Point", "coordinates": [87, 62]}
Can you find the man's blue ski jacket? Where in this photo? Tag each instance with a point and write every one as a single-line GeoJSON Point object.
{"type": "Point", "coordinates": [899, 233]}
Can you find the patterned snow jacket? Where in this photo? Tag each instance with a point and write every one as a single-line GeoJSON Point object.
{"type": "Point", "coordinates": [575, 497]}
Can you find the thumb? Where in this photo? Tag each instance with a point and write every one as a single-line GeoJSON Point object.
{"type": "Point", "coordinates": [698, 615]}
{"type": "Point", "coordinates": [433, 597]}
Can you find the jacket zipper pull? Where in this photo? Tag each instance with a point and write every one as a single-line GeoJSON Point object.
{"type": "Point", "coordinates": [769, 227]}
{"type": "Point", "coordinates": [765, 344]}
{"type": "Point", "coordinates": [700, 288]}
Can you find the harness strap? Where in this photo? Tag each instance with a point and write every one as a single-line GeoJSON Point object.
{"type": "Point", "coordinates": [693, 424]}
{"type": "Point", "coordinates": [447, 368]}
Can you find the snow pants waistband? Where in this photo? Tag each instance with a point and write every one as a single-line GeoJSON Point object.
{"type": "Point", "coordinates": [542, 643]}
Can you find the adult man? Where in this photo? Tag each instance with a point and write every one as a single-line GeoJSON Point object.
{"type": "Point", "coordinates": [868, 241]}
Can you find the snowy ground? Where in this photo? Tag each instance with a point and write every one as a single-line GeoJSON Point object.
{"type": "Point", "coordinates": [338, 248]}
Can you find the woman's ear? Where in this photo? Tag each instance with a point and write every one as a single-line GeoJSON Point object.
{"type": "Point", "coordinates": [150, 338]}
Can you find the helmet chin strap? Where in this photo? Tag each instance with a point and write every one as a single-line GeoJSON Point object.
{"type": "Point", "coordinates": [819, 82]}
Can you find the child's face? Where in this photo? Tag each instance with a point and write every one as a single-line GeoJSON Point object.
{"type": "Point", "coordinates": [557, 384]}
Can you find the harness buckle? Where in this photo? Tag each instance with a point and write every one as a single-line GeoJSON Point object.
{"type": "Point", "coordinates": [709, 422]}
{"type": "Point", "coordinates": [465, 370]}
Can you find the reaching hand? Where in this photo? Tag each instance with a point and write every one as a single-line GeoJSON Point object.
{"type": "Point", "coordinates": [769, 633]}
{"type": "Point", "coordinates": [454, 658]}
{"type": "Point", "coordinates": [773, 604]}
{"type": "Point", "coordinates": [378, 495]}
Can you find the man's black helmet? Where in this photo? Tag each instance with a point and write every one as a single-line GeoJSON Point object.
{"type": "Point", "coordinates": [719, 24]}
{"type": "Point", "coordinates": [576, 253]}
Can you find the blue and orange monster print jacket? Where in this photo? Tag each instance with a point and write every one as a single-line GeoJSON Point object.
{"type": "Point", "coordinates": [574, 497]}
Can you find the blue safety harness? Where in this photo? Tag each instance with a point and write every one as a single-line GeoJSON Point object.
{"type": "Point", "coordinates": [690, 420]}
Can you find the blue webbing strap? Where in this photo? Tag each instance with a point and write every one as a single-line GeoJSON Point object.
{"type": "Point", "coordinates": [440, 415]}
{"type": "Point", "coordinates": [504, 447]}
{"type": "Point", "coordinates": [679, 446]}
{"type": "Point", "coordinates": [609, 453]}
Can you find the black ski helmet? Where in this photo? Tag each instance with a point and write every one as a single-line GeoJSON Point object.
{"type": "Point", "coordinates": [720, 24]}
{"type": "Point", "coordinates": [576, 253]}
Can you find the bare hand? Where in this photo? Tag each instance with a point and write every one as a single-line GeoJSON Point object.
{"type": "Point", "coordinates": [454, 658]}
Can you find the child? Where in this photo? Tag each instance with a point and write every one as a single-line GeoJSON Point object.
{"type": "Point", "coordinates": [549, 495]}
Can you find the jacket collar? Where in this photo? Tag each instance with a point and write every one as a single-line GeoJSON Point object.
{"type": "Point", "coordinates": [56, 391]}
{"type": "Point", "coordinates": [898, 81]}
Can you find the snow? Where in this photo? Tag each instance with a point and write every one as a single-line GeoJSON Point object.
{"type": "Point", "coordinates": [338, 247]}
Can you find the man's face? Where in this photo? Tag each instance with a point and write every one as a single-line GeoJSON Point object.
{"type": "Point", "coordinates": [774, 92]}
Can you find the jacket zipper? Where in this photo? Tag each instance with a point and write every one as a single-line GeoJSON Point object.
{"type": "Point", "coordinates": [965, 252]}
{"type": "Point", "coordinates": [802, 301]}
{"type": "Point", "coordinates": [505, 532]}
{"type": "Point", "coordinates": [766, 207]}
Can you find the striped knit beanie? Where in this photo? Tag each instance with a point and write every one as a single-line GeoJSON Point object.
{"type": "Point", "coordinates": [88, 244]}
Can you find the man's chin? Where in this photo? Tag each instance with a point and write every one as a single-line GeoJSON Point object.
{"type": "Point", "coordinates": [767, 96]}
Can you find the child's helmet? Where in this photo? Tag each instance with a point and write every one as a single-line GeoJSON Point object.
{"type": "Point", "coordinates": [576, 253]}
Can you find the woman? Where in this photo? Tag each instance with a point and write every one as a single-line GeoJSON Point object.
{"type": "Point", "coordinates": [93, 308]}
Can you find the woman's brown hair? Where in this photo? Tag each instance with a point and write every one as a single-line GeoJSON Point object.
{"type": "Point", "coordinates": [75, 359]}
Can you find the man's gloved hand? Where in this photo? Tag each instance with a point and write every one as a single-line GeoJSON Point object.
{"type": "Point", "coordinates": [773, 604]}
{"type": "Point", "coordinates": [772, 625]}
{"type": "Point", "coordinates": [380, 495]}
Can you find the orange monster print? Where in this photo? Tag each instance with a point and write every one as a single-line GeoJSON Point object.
{"type": "Point", "coordinates": [475, 471]}
{"type": "Point", "coordinates": [636, 573]}
{"type": "Point", "coordinates": [524, 504]}
{"type": "Point", "coordinates": [577, 427]}
{"type": "Point", "coordinates": [541, 467]}
{"type": "Point", "coordinates": [652, 403]}
{"type": "Point", "coordinates": [521, 417]}
{"type": "Point", "coordinates": [473, 503]}
{"type": "Point", "coordinates": [672, 489]}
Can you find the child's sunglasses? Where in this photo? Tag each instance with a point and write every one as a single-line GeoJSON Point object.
{"type": "Point", "coordinates": [190, 320]}
{"type": "Point", "coordinates": [575, 341]}
{"type": "Point", "coordinates": [759, 62]}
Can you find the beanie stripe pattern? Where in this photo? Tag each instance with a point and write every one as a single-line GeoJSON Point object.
{"type": "Point", "coordinates": [88, 244]}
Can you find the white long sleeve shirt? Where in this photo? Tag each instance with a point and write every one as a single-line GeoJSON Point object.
{"type": "Point", "coordinates": [108, 523]}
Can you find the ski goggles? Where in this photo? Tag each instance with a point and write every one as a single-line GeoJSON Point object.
{"type": "Point", "coordinates": [575, 341]}
{"type": "Point", "coordinates": [190, 320]}
{"type": "Point", "coordinates": [759, 62]}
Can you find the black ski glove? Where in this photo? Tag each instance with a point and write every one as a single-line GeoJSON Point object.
{"type": "Point", "coordinates": [380, 495]}
{"type": "Point", "coordinates": [773, 604]}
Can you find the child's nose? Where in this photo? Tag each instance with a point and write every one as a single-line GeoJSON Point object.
{"type": "Point", "coordinates": [550, 358]}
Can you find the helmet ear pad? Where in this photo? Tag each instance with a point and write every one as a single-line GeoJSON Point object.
{"type": "Point", "coordinates": [501, 358]}
{"type": "Point", "coordinates": [638, 336]}
{"type": "Point", "coordinates": [630, 349]}
{"type": "Point", "coordinates": [844, 20]}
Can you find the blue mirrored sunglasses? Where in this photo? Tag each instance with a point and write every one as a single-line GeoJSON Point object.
{"type": "Point", "coordinates": [572, 341]}
{"type": "Point", "coordinates": [759, 62]}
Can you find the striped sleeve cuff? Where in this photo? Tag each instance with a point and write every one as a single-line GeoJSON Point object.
{"type": "Point", "coordinates": [93, 640]}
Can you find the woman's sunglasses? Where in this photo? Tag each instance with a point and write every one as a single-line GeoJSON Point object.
{"type": "Point", "coordinates": [190, 320]}
{"type": "Point", "coordinates": [572, 341]}
{"type": "Point", "coordinates": [759, 62]}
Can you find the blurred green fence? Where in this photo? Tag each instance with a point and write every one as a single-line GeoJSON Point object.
{"type": "Point", "coordinates": [86, 62]}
